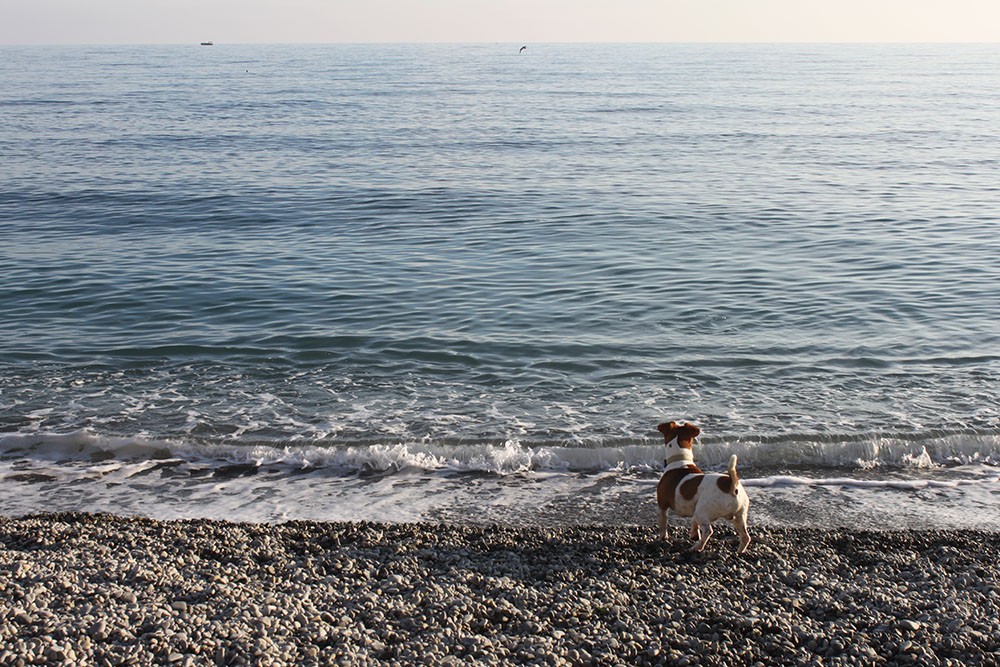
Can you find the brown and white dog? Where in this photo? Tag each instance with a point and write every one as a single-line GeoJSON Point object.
{"type": "Point", "coordinates": [686, 490]}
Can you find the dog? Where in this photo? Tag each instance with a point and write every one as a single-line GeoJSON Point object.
{"type": "Point", "coordinates": [686, 490]}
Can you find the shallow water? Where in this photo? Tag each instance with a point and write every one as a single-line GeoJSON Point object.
{"type": "Point", "coordinates": [458, 261]}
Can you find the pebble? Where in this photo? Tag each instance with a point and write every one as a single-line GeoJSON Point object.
{"type": "Point", "coordinates": [112, 590]}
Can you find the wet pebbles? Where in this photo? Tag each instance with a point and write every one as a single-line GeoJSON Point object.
{"type": "Point", "coordinates": [102, 590]}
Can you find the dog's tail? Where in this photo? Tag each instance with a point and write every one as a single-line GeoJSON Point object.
{"type": "Point", "coordinates": [732, 475]}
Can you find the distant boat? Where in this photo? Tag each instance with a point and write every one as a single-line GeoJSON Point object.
{"type": "Point", "coordinates": [207, 44]}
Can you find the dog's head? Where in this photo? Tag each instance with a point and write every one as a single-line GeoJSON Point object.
{"type": "Point", "coordinates": [685, 433]}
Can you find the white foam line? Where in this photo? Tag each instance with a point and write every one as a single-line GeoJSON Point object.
{"type": "Point", "coordinates": [906, 484]}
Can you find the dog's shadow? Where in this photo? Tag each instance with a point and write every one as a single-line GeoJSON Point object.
{"type": "Point", "coordinates": [678, 550]}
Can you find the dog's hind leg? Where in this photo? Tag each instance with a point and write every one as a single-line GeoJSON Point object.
{"type": "Point", "coordinates": [740, 523]}
{"type": "Point", "coordinates": [706, 532]}
{"type": "Point", "coordinates": [695, 533]}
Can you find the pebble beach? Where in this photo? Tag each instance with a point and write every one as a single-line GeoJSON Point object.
{"type": "Point", "coordinates": [97, 589]}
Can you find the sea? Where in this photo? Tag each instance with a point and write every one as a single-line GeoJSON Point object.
{"type": "Point", "coordinates": [465, 282]}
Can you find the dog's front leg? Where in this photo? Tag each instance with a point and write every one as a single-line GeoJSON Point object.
{"type": "Point", "coordinates": [695, 534]}
{"type": "Point", "coordinates": [662, 523]}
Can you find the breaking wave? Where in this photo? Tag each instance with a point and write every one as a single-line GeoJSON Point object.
{"type": "Point", "coordinates": [513, 456]}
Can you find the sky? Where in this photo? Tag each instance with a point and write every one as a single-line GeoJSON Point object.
{"type": "Point", "coordinates": [523, 21]}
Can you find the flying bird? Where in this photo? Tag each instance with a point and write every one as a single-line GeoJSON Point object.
{"type": "Point", "coordinates": [521, 50]}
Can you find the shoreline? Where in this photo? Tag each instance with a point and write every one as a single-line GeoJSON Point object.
{"type": "Point", "coordinates": [102, 589]}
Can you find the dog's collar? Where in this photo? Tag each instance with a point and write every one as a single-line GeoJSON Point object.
{"type": "Point", "coordinates": [681, 459]}
{"type": "Point", "coordinates": [684, 455]}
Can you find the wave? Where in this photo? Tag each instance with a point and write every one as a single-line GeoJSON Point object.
{"type": "Point", "coordinates": [877, 453]}
{"type": "Point", "coordinates": [949, 481]}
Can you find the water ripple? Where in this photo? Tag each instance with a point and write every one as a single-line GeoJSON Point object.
{"type": "Point", "coordinates": [374, 245]}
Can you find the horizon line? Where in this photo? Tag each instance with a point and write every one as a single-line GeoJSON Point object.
{"type": "Point", "coordinates": [458, 43]}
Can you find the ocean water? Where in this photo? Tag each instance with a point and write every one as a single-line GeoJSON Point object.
{"type": "Point", "coordinates": [458, 283]}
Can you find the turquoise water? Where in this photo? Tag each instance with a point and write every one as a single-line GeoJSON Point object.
{"type": "Point", "coordinates": [332, 251]}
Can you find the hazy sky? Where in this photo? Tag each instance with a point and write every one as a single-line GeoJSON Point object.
{"type": "Point", "coordinates": [525, 21]}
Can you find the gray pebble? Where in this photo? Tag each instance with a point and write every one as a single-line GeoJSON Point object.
{"type": "Point", "coordinates": [319, 593]}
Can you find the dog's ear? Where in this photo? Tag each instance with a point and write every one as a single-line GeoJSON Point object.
{"type": "Point", "coordinates": [669, 431]}
{"type": "Point", "coordinates": [665, 427]}
{"type": "Point", "coordinates": [689, 431]}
